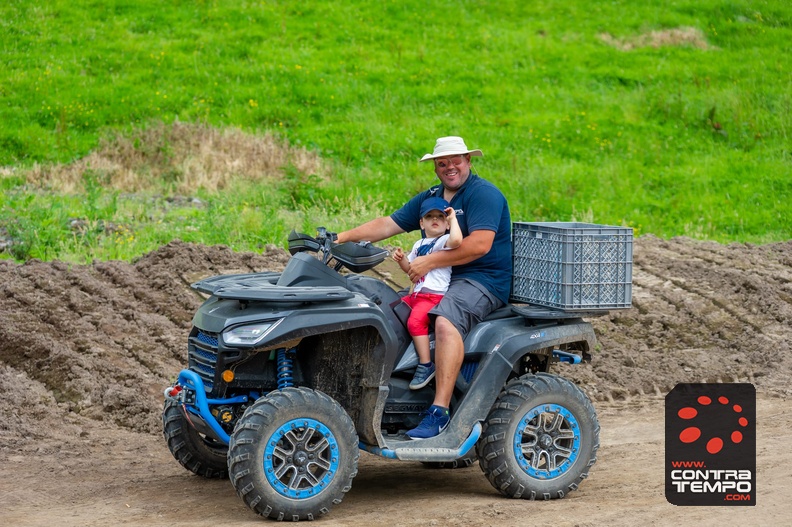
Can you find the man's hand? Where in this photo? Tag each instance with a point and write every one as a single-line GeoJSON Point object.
{"type": "Point", "coordinates": [419, 268]}
{"type": "Point", "coordinates": [476, 245]}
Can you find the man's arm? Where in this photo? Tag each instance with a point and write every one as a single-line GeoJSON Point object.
{"type": "Point", "coordinates": [372, 231]}
{"type": "Point", "coordinates": [474, 246]}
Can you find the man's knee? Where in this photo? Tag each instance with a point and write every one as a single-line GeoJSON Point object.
{"type": "Point", "coordinates": [444, 328]}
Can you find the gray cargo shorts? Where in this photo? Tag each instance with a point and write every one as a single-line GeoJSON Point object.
{"type": "Point", "coordinates": [465, 304]}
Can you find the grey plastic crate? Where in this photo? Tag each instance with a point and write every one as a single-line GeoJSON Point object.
{"type": "Point", "coordinates": [572, 266]}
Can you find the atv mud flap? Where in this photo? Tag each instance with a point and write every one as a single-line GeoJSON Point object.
{"type": "Point", "coordinates": [189, 392]}
{"type": "Point", "coordinates": [432, 449]}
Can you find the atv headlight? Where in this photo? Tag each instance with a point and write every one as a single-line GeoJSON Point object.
{"type": "Point", "coordinates": [249, 335]}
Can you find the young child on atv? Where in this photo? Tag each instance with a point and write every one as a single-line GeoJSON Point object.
{"type": "Point", "coordinates": [437, 217]}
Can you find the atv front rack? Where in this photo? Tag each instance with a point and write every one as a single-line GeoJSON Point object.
{"type": "Point", "coordinates": [282, 294]}
{"type": "Point", "coordinates": [262, 287]}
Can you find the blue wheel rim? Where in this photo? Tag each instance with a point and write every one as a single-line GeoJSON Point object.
{"type": "Point", "coordinates": [301, 458]}
{"type": "Point", "coordinates": [547, 441]}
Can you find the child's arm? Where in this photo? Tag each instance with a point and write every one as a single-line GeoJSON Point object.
{"type": "Point", "coordinates": [401, 259]}
{"type": "Point", "coordinates": [454, 232]}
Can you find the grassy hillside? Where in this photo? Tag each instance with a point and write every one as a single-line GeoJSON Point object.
{"type": "Point", "coordinates": [670, 117]}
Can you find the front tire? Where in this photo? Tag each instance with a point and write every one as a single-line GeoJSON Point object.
{"type": "Point", "coordinates": [195, 452]}
{"type": "Point", "coordinates": [540, 439]}
{"type": "Point", "coordinates": [293, 454]}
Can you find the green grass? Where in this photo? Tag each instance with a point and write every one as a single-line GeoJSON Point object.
{"type": "Point", "coordinates": [101, 224]}
{"type": "Point", "coordinates": [671, 140]}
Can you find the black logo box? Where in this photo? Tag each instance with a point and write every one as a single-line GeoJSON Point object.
{"type": "Point", "coordinates": [710, 444]}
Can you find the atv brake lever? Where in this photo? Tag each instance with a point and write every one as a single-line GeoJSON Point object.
{"type": "Point", "coordinates": [323, 234]}
{"type": "Point", "coordinates": [325, 239]}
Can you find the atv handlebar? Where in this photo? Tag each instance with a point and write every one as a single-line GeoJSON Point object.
{"type": "Point", "coordinates": [355, 256]}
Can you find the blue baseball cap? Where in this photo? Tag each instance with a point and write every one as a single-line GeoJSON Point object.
{"type": "Point", "coordinates": [433, 204]}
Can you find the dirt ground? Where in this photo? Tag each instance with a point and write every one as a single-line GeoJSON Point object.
{"type": "Point", "coordinates": [86, 351]}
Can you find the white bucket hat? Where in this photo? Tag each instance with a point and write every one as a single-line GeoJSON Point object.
{"type": "Point", "coordinates": [450, 146]}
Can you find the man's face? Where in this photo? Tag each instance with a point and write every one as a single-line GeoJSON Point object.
{"type": "Point", "coordinates": [453, 171]}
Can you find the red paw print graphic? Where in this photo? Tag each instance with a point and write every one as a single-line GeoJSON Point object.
{"type": "Point", "coordinates": [694, 433]}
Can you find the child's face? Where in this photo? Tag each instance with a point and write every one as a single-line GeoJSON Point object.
{"type": "Point", "coordinates": [434, 223]}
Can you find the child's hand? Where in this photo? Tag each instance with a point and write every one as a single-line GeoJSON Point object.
{"type": "Point", "coordinates": [450, 213]}
{"type": "Point", "coordinates": [398, 254]}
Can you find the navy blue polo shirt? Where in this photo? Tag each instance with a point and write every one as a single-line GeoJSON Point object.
{"type": "Point", "coordinates": [479, 205]}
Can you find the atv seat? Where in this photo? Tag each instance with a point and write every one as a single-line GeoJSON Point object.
{"type": "Point", "coordinates": [503, 312]}
{"type": "Point", "coordinates": [530, 311]}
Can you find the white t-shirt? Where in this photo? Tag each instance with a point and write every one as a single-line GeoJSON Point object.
{"type": "Point", "coordinates": [437, 279]}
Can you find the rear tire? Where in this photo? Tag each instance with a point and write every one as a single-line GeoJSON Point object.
{"type": "Point", "coordinates": [540, 438]}
{"type": "Point", "coordinates": [293, 455]}
{"type": "Point", "coordinates": [195, 452]}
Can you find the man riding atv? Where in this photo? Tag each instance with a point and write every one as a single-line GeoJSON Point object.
{"type": "Point", "coordinates": [291, 374]}
{"type": "Point", "coordinates": [482, 265]}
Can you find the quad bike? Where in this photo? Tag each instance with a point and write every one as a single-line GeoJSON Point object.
{"type": "Point", "coordinates": [291, 374]}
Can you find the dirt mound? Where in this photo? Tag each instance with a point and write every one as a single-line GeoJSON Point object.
{"type": "Point", "coordinates": [85, 352]}
{"type": "Point", "coordinates": [703, 312]}
{"type": "Point", "coordinates": [102, 341]}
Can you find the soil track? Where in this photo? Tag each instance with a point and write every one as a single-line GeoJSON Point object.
{"type": "Point", "coordinates": [85, 352]}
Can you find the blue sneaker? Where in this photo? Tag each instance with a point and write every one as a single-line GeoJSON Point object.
{"type": "Point", "coordinates": [423, 374]}
{"type": "Point", "coordinates": [435, 420]}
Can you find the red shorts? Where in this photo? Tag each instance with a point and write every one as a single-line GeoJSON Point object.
{"type": "Point", "coordinates": [421, 303]}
